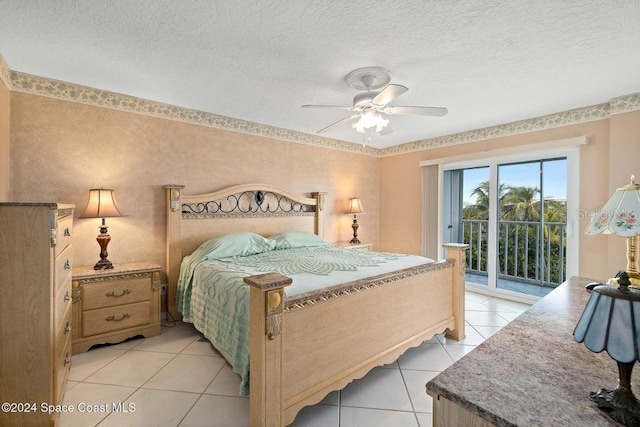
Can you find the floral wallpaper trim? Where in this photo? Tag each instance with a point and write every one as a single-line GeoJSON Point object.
{"type": "Point", "coordinates": [35, 85]}
{"type": "Point", "coordinates": [5, 73]}
{"type": "Point", "coordinates": [565, 118]}
{"type": "Point", "coordinates": [625, 104]}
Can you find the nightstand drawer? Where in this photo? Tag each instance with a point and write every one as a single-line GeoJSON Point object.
{"type": "Point", "coordinates": [114, 318]}
{"type": "Point", "coordinates": [112, 305]}
{"type": "Point", "coordinates": [116, 292]}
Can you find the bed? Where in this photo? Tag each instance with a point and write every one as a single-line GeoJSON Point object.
{"type": "Point", "coordinates": [307, 343]}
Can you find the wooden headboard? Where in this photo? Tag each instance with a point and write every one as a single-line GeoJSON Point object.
{"type": "Point", "coordinates": [192, 219]}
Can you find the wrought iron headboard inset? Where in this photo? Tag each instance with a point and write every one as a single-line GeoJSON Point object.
{"type": "Point", "coordinates": [253, 203]}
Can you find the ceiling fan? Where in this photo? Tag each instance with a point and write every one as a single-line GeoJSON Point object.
{"type": "Point", "coordinates": [371, 106]}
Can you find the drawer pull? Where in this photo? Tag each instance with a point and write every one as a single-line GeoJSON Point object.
{"type": "Point", "coordinates": [113, 293]}
{"type": "Point", "coordinates": [67, 265]}
{"type": "Point", "coordinates": [66, 297]}
{"type": "Point", "coordinates": [113, 318]}
{"type": "Point", "coordinates": [67, 359]}
{"type": "Point", "coordinates": [67, 328]}
{"type": "Point", "coordinates": [67, 232]}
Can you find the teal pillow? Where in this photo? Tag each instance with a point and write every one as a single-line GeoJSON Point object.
{"type": "Point", "coordinates": [297, 239]}
{"type": "Point", "coordinates": [234, 244]}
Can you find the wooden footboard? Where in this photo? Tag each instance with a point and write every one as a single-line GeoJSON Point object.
{"type": "Point", "coordinates": [302, 350]}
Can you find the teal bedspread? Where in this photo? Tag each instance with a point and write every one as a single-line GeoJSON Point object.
{"type": "Point", "coordinates": [212, 295]}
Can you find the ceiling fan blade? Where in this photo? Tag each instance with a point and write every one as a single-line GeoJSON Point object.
{"type": "Point", "coordinates": [341, 107]}
{"type": "Point", "coordinates": [422, 111]}
{"type": "Point", "coordinates": [338, 123]}
{"type": "Point", "coordinates": [388, 94]}
{"type": "Point", "coordinates": [386, 130]}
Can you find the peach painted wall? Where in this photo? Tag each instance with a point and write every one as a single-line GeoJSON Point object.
{"type": "Point", "coordinates": [5, 140]}
{"type": "Point", "coordinates": [400, 214]}
{"type": "Point", "coordinates": [62, 149]}
{"type": "Point", "coordinates": [624, 161]}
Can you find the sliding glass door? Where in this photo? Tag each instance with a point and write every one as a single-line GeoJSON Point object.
{"type": "Point", "coordinates": [532, 206]}
{"type": "Point", "coordinates": [513, 216]}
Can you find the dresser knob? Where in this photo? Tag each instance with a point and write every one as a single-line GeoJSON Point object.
{"type": "Point", "coordinates": [67, 265]}
{"type": "Point", "coordinates": [113, 318]}
{"type": "Point", "coordinates": [67, 328]}
{"type": "Point", "coordinates": [66, 297]}
{"type": "Point", "coordinates": [67, 359]}
{"type": "Point", "coordinates": [67, 232]}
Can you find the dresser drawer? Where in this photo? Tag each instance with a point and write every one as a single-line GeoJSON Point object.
{"type": "Point", "coordinates": [114, 318]}
{"type": "Point", "coordinates": [116, 292]}
{"type": "Point", "coordinates": [62, 332]}
{"type": "Point", "coordinates": [63, 233]}
{"type": "Point", "coordinates": [61, 371]}
{"type": "Point", "coordinates": [61, 303]}
{"type": "Point", "coordinates": [62, 271]}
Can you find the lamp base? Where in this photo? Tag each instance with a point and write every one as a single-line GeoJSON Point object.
{"type": "Point", "coordinates": [620, 403]}
{"type": "Point", "coordinates": [622, 407]}
{"type": "Point", "coordinates": [355, 239]}
{"type": "Point", "coordinates": [103, 264]}
{"type": "Point", "coordinates": [103, 240]}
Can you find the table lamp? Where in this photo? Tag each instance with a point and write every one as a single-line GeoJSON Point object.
{"type": "Point", "coordinates": [611, 318]}
{"type": "Point", "coordinates": [611, 322]}
{"type": "Point", "coordinates": [355, 207]}
{"type": "Point", "coordinates": [102, 204]}
{"type": "Point", "coordinates": [620, 217]}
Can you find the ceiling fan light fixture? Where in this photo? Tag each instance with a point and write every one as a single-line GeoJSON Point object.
{"type": "Point", "coordinates": [368, 120]}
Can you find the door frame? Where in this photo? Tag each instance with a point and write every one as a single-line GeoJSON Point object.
{"type": "Point", "coordinates": [569, 148]}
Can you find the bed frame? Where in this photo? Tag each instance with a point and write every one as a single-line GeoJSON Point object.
{"type": "Point", "coordinates": [304, 347]}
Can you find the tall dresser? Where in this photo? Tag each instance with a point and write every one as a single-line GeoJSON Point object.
{"type": "Point", "coordinates": [35, 310]}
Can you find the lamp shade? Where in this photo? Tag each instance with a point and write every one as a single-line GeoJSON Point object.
{"type": "Point", "coordinates": [611, 321]}
{"type": "Point", "coordinates": [102, 204]}
{"type": "Point", "coordinates": [355, 206]}
{"type": "Point", "coordinates": [620, 215]}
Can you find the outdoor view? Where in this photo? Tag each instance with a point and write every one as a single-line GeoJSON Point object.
{"type": "Point", "coordinates": [531, 221]}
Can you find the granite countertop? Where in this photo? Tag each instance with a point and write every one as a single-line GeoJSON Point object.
{"type": "Point", "coordinates": [532, 372]}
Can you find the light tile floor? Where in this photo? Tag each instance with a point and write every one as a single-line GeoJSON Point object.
{"type": "Point", "coordinates": [178, 379]}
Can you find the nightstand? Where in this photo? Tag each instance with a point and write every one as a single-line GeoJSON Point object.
{"type": "Point", "coordinates": [357, 246]}
{"type": "Point", "coordinates": [112, 305]}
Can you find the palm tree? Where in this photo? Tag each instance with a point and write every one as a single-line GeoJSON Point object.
{"type": "Point", "coordinates": [521, 204]}
{"type": "Point", "coordinates": [480, 210]}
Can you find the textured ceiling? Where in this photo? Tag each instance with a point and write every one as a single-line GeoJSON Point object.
{"type": "Point", "coordinates": [488, 62]}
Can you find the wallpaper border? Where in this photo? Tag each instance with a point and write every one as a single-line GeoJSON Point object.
{"type": "Point", "coordinates": [5, 72]}
{"type": "Point", "coordinates": [625, 104]}
{"type": "Point", "coordinates": [550, 121]}
{"type": "Point", "coordinates": [35, 85]}
{"type": "Point", "coordinates": [42, 86]}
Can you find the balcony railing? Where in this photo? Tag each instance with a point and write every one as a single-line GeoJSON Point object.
{"type": "Point", "coordinates": [530, 252]}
